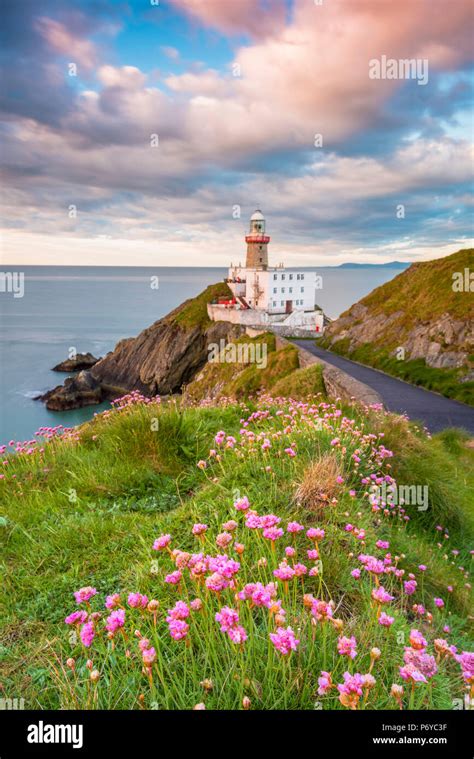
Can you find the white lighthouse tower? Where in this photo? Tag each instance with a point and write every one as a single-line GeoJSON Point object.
{"type": "Point", "coordinates": [264, 296]}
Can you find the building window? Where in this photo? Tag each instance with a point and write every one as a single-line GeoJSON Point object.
{"type": "Point", "coordinates": [275, 276]}
{"type": "Point", "coordinates": [274, 290]}
{"type": "Point", "coordinates": [302, 289]}
{"type": "Point", "coordinates": [290, 276]}
{"type": "Point", "coordinates": [274, 303]}
{"type": "Point", "coordinates": [302, 276]}
{"type": "Point", "coordinates": [282, 302]}
{"type": "Point", "coordinates": [283, 276]}
{"type": "Point", "coordinates": [290, 289]}
{"type": "Point", "coordinates": [283, 289]}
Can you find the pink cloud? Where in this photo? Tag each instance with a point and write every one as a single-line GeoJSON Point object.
{"type": "Point", "coordinates": [62, 41]}
{"type": "Point", "coordinates": [256, 17]}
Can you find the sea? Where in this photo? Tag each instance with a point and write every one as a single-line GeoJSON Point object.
{"type": "Point", "coordinates": [92, 308]}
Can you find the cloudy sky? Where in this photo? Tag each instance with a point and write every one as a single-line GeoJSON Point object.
{"type": "Point", "coordinates": [135, 132]}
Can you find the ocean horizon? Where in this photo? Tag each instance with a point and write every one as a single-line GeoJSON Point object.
{"type": "Point", "coordinates": [91, 308]}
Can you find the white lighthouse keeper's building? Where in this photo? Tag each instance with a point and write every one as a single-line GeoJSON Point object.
{"type": "Point", "coordinates": [263, 295]}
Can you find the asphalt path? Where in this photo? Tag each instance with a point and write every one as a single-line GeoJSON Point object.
{"type": "Point", "coordinates": [435, 411]}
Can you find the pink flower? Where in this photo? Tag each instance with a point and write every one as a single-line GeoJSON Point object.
{"type": "Point", "coordinates": [178, 629]}
{"type": "Point", "coordinates": [242, 504]}
{"type": "Point", "coordinates": [230, 526]}
{"type": "Point", "coordinates": [290, 552]}
{"type": "Point", "coordinates": [290, 452]}
{"type": "Point", "coordinates": [113, 601]}
{"type": "Point", "coordinates": [269, 520]}
{"type": "Point", "coordinates": [216, 582]}
{"type": "Point", "coordinates": [220, 437]}
{"type": "Point", "coordinates": [284, 572]}
{"type": "Point", "coordinates": [284, 640]}
{"type": "Point", "coordinates": [409, 672]}
{"type": "Point", "coordinates": [421, 661]}
{"type": "Point", "coordinates": [162, 542]}
{"type": "Point", "coordinates": [422, 567]}
{"type": "Point", "coordinates": [382, 544]}
{"type": "Point", "coordinates": [439, 602]}
{"type": "Point", "coordinates": [300, 570]}
{"type": "Point", "coordinates": [136, 601]}
{"type": "Point", "coordinates": [76, 618]}
{"type": "Point", "coordinates": [179, 611]}
{"type": "Point", "coordinates": [149, 656]}
{"type": "Point", "coordinates": [385, 620]}
{"type": "Point", "coordinates": [315, 533]}
{"type": "Point", "coordinates": [294, 527]}
{"type": "Point", "coordinates": [466, 660]}
{"type": "Point", "coordinates": [174, 578]}
{"type": "Point", "coordinates": [199, 529]}
{"type": "Point", "coordinates": [321, 610]}
{"type": "Point", "coordinates": [253, 521]}
{"type": "Point", "coordinates": [381, 596]}
{"type": "Point", "coordinates": [313, 555]}
{"type": "Point", "coordinates": [227, 618]}
{"type": "Point", "coordinates": [237, 634]}
{"type": "Point", "coordinates": [201, 464]}
{"type": "Point", "coordinates": [410, 587]}
{"type": "Point", "coordinates": [325, 683]}
{"type": "Point", "coordinates": [351, 690]}
{"type": "Point", "coordinates": [347, 646]}
{"type": "Point", "coordinates": [272, 533]}
{"type": "Point", "coordinates": [84, 594]}
{"type": "Point", "coordinates": [417, 640]}
{"type": "Point", "coordinates": [115, 620]}
{"type": "Point", "coordinates": [87, 634]}
{"type": "Point", "coordinates": [223, 539]}
{"type": "Point", "coordinates": [355, 573]}
{"type": "Point", "coordinates": [196, 604]}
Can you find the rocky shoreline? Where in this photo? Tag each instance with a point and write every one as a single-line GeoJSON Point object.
{"type": "Point", "coordinates": [159, 361]}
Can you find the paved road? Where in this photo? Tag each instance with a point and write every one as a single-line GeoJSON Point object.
{"type": "Point", "coordinates": [435, 411]}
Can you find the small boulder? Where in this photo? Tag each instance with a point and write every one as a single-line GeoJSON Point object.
{"type": "Point", "coordinates": [78, 363]}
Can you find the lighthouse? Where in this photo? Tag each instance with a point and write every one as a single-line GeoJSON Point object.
{"type": "Point", "coordinates": [257, 243]}
{"type": "Point", "coordinates": [276, 298]}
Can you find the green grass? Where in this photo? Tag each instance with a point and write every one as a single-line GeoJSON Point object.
{"type": "Point", "coordinates": [193, 312]}
{"type": "Point", "coordinates": [86, 512]}
{"type": "Point", "coordinates": [427, 289]}
{"type": "Point", "coordinates": [256, 372]}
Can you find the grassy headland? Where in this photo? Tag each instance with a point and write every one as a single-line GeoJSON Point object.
{"type": "Point", "coordinates": [423, 312]}
{"type": "Point", "coordinates": [85, 508]}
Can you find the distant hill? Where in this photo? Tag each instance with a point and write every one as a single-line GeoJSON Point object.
{"type": "Point", "coordinates": [390, 265]}
{"type": "Point", "coordinates": [418, 326]}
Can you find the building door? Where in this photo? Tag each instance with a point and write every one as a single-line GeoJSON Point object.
{"type": "Point", "coordinates": [289, 307]}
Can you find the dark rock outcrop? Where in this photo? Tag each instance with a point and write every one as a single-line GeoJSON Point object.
{"type": "Point", "coordinates": [159, 361]}
{"type": "Point", "coordinates": [77, 364]}
{"type": "Point", "coordinates": [76, 392]}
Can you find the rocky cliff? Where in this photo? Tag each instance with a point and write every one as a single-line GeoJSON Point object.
{"type": "Point", "coordinates": [424, 317]}
{"type": "Point", "coordinates": [159, 361]}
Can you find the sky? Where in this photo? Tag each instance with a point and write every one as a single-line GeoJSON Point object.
{"type": "Point", "coordinates": [146, 132]}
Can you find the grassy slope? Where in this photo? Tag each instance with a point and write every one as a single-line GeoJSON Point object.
{"type": "Point", "coordinates": [423, 292]}
{"type": "Point", "coordinates": [86, 512]}
{"type": "Point", "coordinates": [427, 288]}
{"type": "Point", "coordinates": [193, 312]}
{"type": "Point", "coordinates": [276, 374]}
